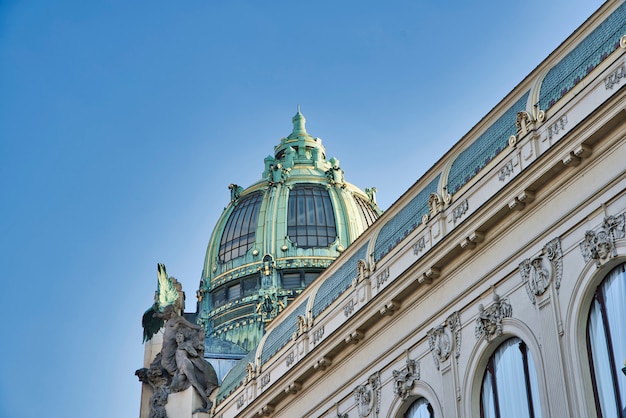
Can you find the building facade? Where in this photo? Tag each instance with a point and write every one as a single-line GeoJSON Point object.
{"type": "Point", "coordinates": [494, 287]}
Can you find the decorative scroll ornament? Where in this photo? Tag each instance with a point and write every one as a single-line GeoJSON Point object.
{"type": "Point", "coordinates": [440, 339]}
{"type": "Point", "coordinates": [440, 344]}
{"type": "Point", "coordinates": [363, 270]}
{"type": "Point", "coordinates": [489, 321]}
{"type": "Point", "coordinates": [523, 123]}
{"type": "Point", "coordinates": [368, 396]}
{"type": "Point", "coordinates": [405, 378]}
{"type": "Point", "coordinates": [536, 274]}
{"type": "Point", "coordinates": [435, 204]}
{"type": "Point", "coordinates": [600, 245]}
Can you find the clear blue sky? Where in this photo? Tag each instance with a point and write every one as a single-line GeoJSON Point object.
{"type": "Point", "coordinates": [122, 124]}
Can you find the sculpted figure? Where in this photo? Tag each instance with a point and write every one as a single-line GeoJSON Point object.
{"type": "Point", "coordinates": [182, 355]}
{"type": "Point", "coordinates": [181, 362]}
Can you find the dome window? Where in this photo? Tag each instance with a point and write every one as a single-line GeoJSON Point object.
{"type": "Point", "coordinates": [240, 231]}
{"type": "Point", "coordinates": [311, 221]}
{"type": "Point", "coordinates": [368, 214]}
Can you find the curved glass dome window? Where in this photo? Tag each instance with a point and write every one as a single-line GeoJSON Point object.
{"type": "Point", "coordinates": [421, 408]}
{"type": "Point", "coordinates": [310, 220]}
{"type": "Point", "coordinates": [368, 213]}
{"type": "Point", "coordinates": [240, 230]}
{"type": "Point", "coordinates": [509, 387]}
{"type": "Point", "coordinates": [606, 342]}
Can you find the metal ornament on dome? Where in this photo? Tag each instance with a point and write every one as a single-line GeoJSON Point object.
{"type": "Point", "coordinates": [276, 236]}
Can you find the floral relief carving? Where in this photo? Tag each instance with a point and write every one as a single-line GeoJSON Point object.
{"type": "Point", "coordinates": [615, 77]}
{"type": "Point", "coordinates": [460, 210]}
{"type": "Point", "coordinates": [419, 246]}
{"type": "Point", "coordinates": [600, 245]}
{"type": "Point", "coordinates": [489, 321]}
{"type": "Point", "coordinates": [405, 378]}
{"type": "Point", "coordinates": [556, 127]}
{"type": "Point", "coordinates": [368, 396]}
{"type": "Point", "coordinates": [505, 171]}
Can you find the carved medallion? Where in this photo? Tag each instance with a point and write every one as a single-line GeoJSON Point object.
{"type": "Point", "coordinates": [368, 397]}
{"type": "Point", "coordinates": [440, 339]}
{"type": "Point", "coordinates": [538, 272]}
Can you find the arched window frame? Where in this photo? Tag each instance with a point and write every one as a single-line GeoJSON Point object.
{"type": "Point", "coordinates": [479, 358]}
{"type": "Point", "coordinates": [490, 382]}
{"type": "Point", "coordinates": [302, 229]}
{"type": "Point", "coordinates": [601, 315]}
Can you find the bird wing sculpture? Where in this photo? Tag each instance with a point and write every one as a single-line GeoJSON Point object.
{"type": "Point", "coordinates": [166, 295]}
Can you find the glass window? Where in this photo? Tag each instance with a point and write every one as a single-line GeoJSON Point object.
{"type": "Point", "coordinates": [250, 285]}
{"type": "Point", "coordinates": [240, 230]}
{"type": "Point", "coordinates": [420, 409]}
{"type": "Point", "coordinates": [509, 387]}
{"type": "Point", "coordinates": [606, 342]}
{"type": "Point", "coordinates": [291, 280]}
{"type": "Point", "coordinates": [218, 297]}
{"type": "Point", "coordinates": [368, 214]}
{"type": "Point", "coordinates": [311, 220]}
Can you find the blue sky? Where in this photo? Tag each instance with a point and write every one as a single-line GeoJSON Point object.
{"type": "Point", "coordinates": [123, 123]}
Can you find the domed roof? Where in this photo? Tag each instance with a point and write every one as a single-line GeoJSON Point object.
{"type": "Point", "coordinates": [275, 237]}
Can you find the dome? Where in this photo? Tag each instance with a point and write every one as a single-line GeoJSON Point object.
{"type": "Point", "coordinates": [276, 236]}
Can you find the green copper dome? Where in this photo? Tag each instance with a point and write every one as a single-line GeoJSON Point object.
{"type": "Point", "coordinates": [275, 237]}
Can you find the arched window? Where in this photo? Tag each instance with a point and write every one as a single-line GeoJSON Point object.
{"type": "Point", "coordinates": [311, 220]}
{"type": "Point", "coordinates": [421, 408]}
{"type": "Point", "coordinates": [509, 387]}
{"type": "Point", "coordinates": [606, 343]}
{"type": "Point", "coordinates": [240, 230]}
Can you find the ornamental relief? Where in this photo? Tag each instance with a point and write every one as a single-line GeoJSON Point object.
{"type": "Point", "coordinates": [419, 246]}
{"type": "Point", "coordinates": [460, 210]}
{"type": "Point", "coordinates": [615, 77]}
{"type": "Point", "coordinates": [600, 245]}
{"type": "Point", "coordinates": [443, 338]}
{"type": "Point", "coordinates": [489, 321]}
{"type": "Point", "coordinates": [404, 379]}
{"type": "Point", "coordinates": [557, 127]}
{"type": "Point", "coordinates": [538, 272]}
{"type": "Point", "coordinates": [367, 397]}
{"type": "Point", "coordinates": [435, 204]}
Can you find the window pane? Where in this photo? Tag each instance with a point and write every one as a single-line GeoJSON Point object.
{"type": "Point", "coordinates": [516, 392]}
{"type": "Point", "coordinates": [606, 340]}
{"type": "Point", "coordinates": [420, 409]}
{"type": "Point", "coordinates": [240, 230]}
{"type": "Point", "coordinates": [311, 221]}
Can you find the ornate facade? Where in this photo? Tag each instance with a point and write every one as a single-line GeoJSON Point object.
{"type": "Point", "coordinates": [495, 287]}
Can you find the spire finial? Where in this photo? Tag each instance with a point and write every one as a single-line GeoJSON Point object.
{"type": "Point", "coordinates": [298, 123]}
